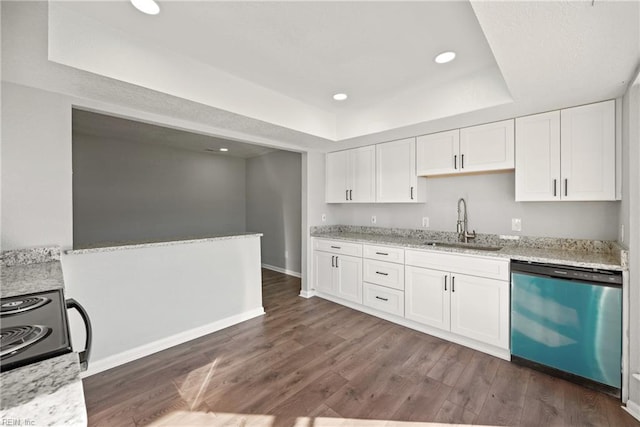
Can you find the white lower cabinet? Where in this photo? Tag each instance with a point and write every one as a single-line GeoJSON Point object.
{"type": "Point", "coordinates": [384, 299]}
{"type": "Point", "coordinates": [337, 274]}
{"type": "Point", "coordinates": [427, 297]}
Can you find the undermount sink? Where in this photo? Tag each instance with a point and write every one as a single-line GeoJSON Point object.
{"type": "Point", "coordinates": [461, 245]}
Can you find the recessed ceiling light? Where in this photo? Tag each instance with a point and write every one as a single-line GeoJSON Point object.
{"type": "Point", "coordinates": [224, 149]}
{"type": "Point", "coordinates": [445, 57]}
{"type": "Point", "coordinates": [150, 7]}
{"type": "Point", "coordinates": [340, 96]}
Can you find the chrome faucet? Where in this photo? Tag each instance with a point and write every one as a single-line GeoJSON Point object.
{"type": "Point", "coordinates": [462, 225]}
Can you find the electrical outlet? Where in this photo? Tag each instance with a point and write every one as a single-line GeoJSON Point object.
{"type": "Point", "coordinates": [425, 221]}
{"type": "Point", "coordinates": [516, 224]}
{"type": "Point", "coordinates": [324, 217]}
{"type": "Point", "coordinates": [373, 219]}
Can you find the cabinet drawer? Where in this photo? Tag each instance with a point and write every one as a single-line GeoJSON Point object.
{"type": "Point", "coordinates": [338, 247]}
{"type": "Point", "coordinates": [383, 299]}
{"type": "Point", "coordinates": [384, 273]}
{"type": "Point", "coordinates": [384, 253]}
{"type": "Point", "coordinates": [467, 264]}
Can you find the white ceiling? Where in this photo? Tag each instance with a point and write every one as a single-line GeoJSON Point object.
{"type": "Point", "coordinates": [263, 71]}
{"type": "Point", "coordinates": [116, 128]}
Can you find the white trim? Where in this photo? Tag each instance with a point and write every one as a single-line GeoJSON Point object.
{"type": "Point", "coordinates": [282, 270]}
{"type": "Point", "coordinates": [164, 343]}
{"type": "Point", "coordinates": [307, 294]}
{"type": "Point", "coordinates": [633, 409]}
{"type": "Point", "coordinates": [449, 336]}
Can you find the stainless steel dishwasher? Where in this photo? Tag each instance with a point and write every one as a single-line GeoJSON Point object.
{"type": "Point", "coordinates": [567, 321]}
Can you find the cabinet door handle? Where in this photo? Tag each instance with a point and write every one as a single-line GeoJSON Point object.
{"type": "Point", "coordinates": [383, 299]}
{"type": "Point", "coordinates": [381, 273]}
{"type": "Point", "coordinates": [453, 283]}
{"type": "Point", "coordinates": [555, 184]}
{"type": "Point", "coordinates": [411, 193]}
{"type": "Point", "coordinates": [382, 253]}
{"type": "Point", "coordinates": [336, 261]}
{"type": "Point", "coordinates": [332, 262]}
{"type": "Point", "coordinates": [566, 186]}
{"type": "Point", "coordinates": [445, 283]}
{"type": "Point", "coordinates": [462, 161]}
{"type": "Point", "coordinates": [346, 194]}
{"type": "Point", "coordinates": [350, 194]}
{"type": "Point", "coordinates": [455, 161]}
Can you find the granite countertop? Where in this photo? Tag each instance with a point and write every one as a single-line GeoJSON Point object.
{"type": "Point", "coordinates": [47, 393]}
{"type": "Point", "coordinates": [118, 246]}
{"type": "Point", "coordinates": [581, 253]}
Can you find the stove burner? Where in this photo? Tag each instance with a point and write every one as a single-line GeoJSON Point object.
{"type": "Point", "coordinates": [21, 304]}
{"type": "Point", "coordinates": [17, 338]}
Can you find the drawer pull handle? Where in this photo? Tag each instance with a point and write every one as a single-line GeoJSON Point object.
{"type": "Point", "coordinates": [382, 253]}
{"type": "Point", "coordinates": [335, 247]}
{"type": "Point", "coordinates": [381, 273]}
{"type": "Point", "coordinates": [383, 299]}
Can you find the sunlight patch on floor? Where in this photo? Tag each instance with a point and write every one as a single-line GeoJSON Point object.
{"type": "Point", "coordinates": [219, 419]}
{"type": "Point", "coordinates": [196, 383]}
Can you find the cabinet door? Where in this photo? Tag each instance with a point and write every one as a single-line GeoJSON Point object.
{"type": "Point", "coordinates": [324, 272]}
{"type": "Point", "coordinates": [588, 152]}
{"type": "Point", "coordinates": [337, 170]}
{"type": "Point", "coordinates": [480, 309]}
{"type": "Point", "coordinates": [427, 296]}
{"type": "Point", "coordinates": [538, 157]}
{"type": "Point", "coordinates": [362, 174]}
{"type": "Point", "coordinates": [438, 153]}
{"type": "Point", "coordinates": [396, 178]}
{"type": "Point", "coordinates": [487, 147]}
{"type": "Point", "coordinates": [349, 278]}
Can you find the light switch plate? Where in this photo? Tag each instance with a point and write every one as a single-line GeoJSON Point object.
{"type": "Point", "coordinates": [516, 224]}
{"type": "Point", "coordinates": [324, 217]}
{"type": "Point", "coordinates": [425, 222]}
{"type": "Point", "coordinates": [373, 219]}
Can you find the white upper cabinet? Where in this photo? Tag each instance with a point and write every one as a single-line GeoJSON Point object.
{"type": "Point", "coordinates": [396, 179]}
{"type": "Point", "coordinates": [567, 154]}
{"type": "Point", "coordinates": [350, 175]}
{"type": "Point", "coordinates": [438, 153]}
{"type": "Point", "coordinates": [487, 147]}
{"type": "Point", "coordinates": [474, 149]}
{"type": "Point", "coordinates": [538, 157]}
{"type": "Point", "coordinates": [587, 152]}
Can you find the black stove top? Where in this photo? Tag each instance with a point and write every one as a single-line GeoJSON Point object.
{"type": "Point", "coordinates": [34, 328]}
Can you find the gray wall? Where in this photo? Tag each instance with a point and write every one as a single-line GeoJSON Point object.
{"type": "Point", "coordinates": [491, 206]}
{"type": "Point", "coordinates": [135, 191]}
{"type": "Point", "coordinates": [274, 207]}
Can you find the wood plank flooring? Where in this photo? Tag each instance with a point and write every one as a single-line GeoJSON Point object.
{"type": "Point", "coordinates": [310, 362]}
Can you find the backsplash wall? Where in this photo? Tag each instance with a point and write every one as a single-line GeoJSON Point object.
{"type": "Point", "coordinates": [491, 206]}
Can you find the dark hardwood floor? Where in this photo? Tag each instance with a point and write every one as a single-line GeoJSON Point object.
{"type": "Point", "coordinates": [310, 362]}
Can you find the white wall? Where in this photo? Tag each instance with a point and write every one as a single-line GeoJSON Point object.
{"type": "Point", "coordinates": [146, 299]}
{"type": "Point", "coordinates": [491, 206]}
{"type": "Point", "coordinates": [36, 168]}
{"type": "Point", "coordinates": [274, 207]}
{"type": "Point", "coordinates": [631, 215]}
{"type": "Point", "coordinates": [138, 191]}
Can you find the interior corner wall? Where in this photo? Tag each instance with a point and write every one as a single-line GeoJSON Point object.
{"type": "Point", "coordinates": [36, 168]}
{"type": "Point", "coordinates": [136, 191]}
{"type": "Point", "coordinates": [274, 207]}
{"type": "Point", "coordinates": [631, 124]}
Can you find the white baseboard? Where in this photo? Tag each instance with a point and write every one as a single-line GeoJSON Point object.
{"type": "Point", "coordinates": [164, 343]}
{"type": "Point", "coordinates": [307, 294]}
{"type": "Point", "coordinates": [633, 409]}
{"type": "Point", "coordinates": [282, 270]}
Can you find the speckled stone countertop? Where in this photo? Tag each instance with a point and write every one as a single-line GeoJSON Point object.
{"type": "Point", "coordinates": [576, 252]}
{"type": "Point", "coordinates": [118, 246]}
{"type": "Point", "coordinates": [47, 393]}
